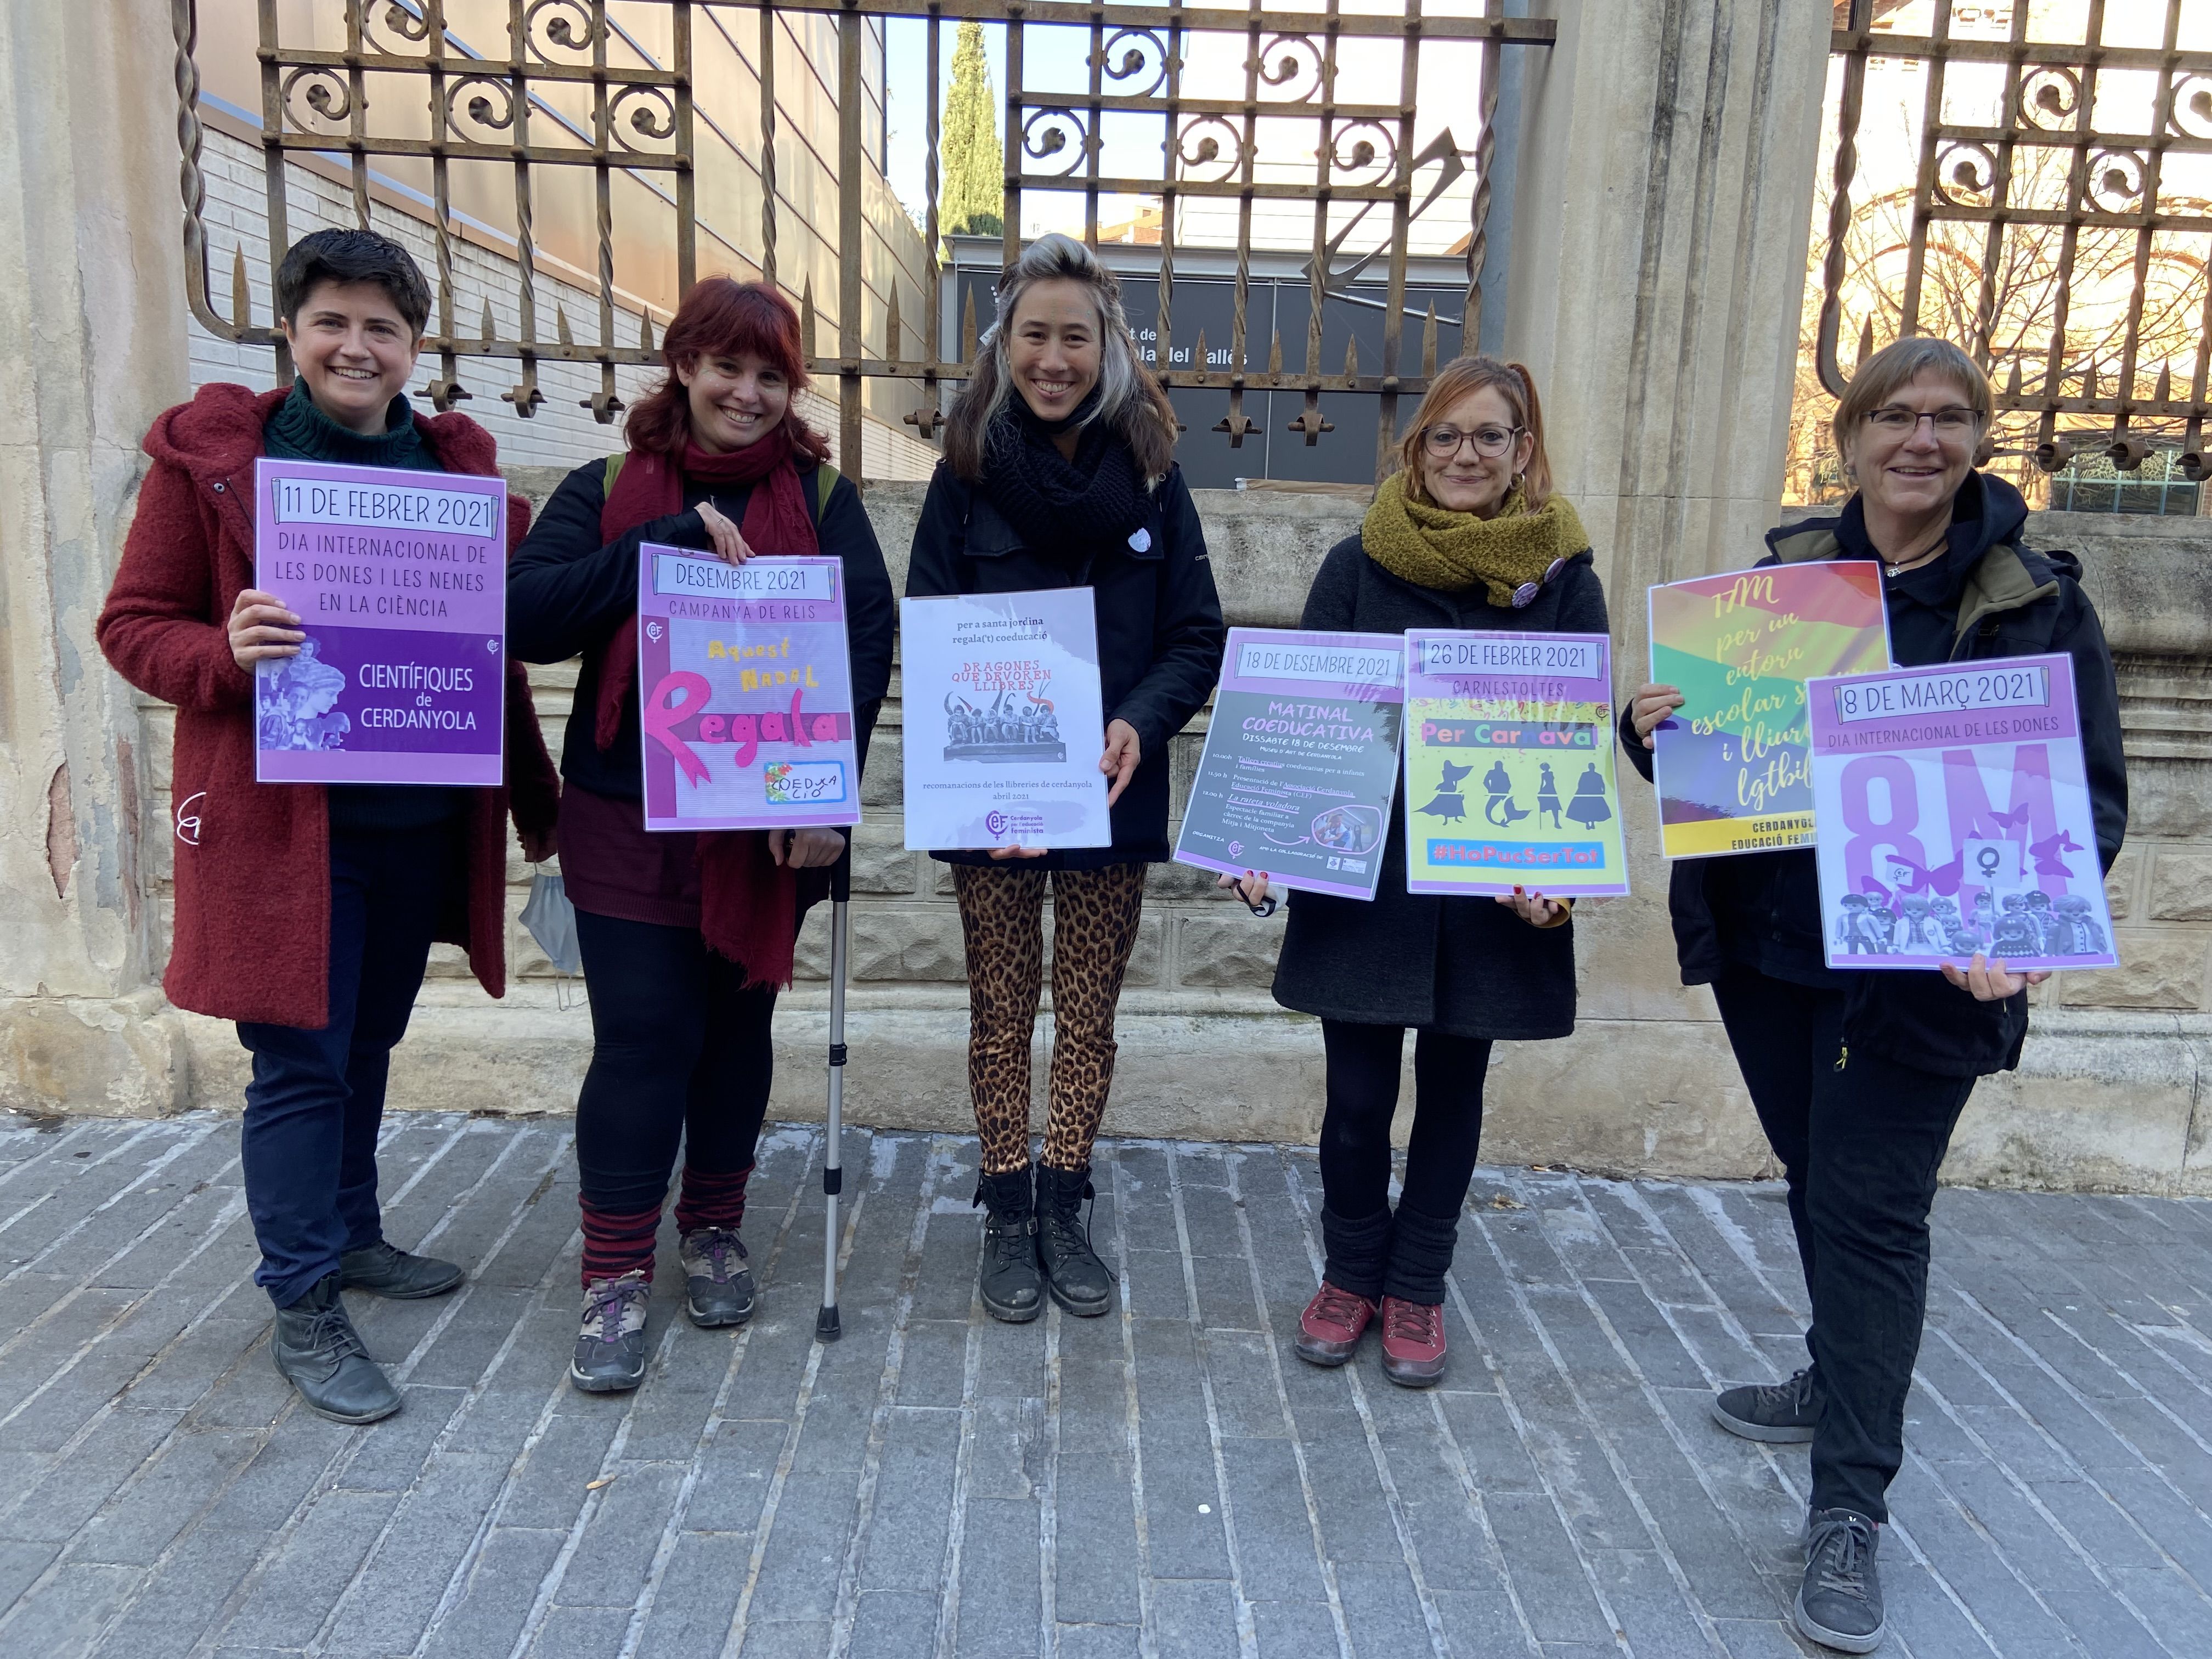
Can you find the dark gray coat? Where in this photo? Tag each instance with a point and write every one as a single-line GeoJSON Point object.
{"type": "Point", "coordinates": [1467, 967]}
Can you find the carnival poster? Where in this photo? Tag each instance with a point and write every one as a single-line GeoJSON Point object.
{"type": "Point", "coordinates": [1510, 764]}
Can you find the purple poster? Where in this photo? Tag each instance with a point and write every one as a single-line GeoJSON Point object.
{"type": "Point", "coordinates": [1954, 811]}
{"type": "Point", "coordinates": [745, 692]}
{"type": "Point", "coordinates": [399, 580]}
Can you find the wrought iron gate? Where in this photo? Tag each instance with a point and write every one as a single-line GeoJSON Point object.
{"type": "Point", "coordinates": [2060, 210]}
{"type": "Point", "coordinates": [610, 91]}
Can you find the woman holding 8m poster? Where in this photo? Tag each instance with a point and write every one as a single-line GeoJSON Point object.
{"type": "Point", "coordinates": [1467, 534]}
{"type": "Point", "coordinates": [1858, 1078]}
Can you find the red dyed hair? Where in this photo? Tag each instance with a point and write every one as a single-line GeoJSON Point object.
{"type": "Point", "coordinates": [721, 317]}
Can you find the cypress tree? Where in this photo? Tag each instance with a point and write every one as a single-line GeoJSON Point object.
{"type": "Point", "coordinates": [974, 188]}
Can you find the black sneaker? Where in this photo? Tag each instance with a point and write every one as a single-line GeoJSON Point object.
{"type": "Point", "coordinates": [1077, 1278]}
{"type": "Point", "coordinates": [1781, 1414]}
{"type": "Point", "coordinates": [1013, 1288]}
{"type": "Point", "coordinates": [718, 1286]}
{"type": "Point", "coordinates": [611, 1345]}
{"type": "Point", "coordinates": [1839, 1605]}
{"type": "Point", "coordinates": [383, 1269]}
{"type": "Point", "coordinates": [317, 1352]}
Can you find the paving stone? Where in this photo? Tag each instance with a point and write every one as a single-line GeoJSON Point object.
{"type": "Point", "coordinates": [1120, 1485]}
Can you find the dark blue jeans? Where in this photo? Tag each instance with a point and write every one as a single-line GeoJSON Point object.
{"type": "Point", "coordinates": [317, 1097]}
{"type": "Point", "coordinates": [1861, 1139]}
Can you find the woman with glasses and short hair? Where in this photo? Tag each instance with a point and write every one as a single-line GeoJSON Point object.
{"type": "Point", "coordinates": [1468, 534]}
{"type": "Point", "coordinates": [1858, 1078]}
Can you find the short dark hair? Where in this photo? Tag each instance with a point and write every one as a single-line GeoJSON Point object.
{"type": "Point", "coordinates": [352, 256]}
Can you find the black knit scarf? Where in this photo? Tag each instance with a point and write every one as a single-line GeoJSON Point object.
{"type": "Point", "coordinates": [1066, 511]}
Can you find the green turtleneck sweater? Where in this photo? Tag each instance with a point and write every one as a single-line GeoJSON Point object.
{"type": "Point", "coordinates": [299, 431]}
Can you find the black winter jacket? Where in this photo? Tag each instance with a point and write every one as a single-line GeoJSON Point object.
{"type": "Point", "coordinates": [1160, 635]}
{"type": "Point", "coordinates": [1468, 967]}
{"type": "Point", "coordinates": [1987, 596]}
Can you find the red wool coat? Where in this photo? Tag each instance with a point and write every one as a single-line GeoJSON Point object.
{"type": "Point", "coordinates": [251, 935]}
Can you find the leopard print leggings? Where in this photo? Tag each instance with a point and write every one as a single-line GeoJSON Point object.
{"type": "Point", "coordinates": [1094, 924]}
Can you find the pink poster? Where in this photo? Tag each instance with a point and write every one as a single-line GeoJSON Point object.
{"type": "Point", "coordinates": [745, 692]}
{"type": "Point", "coordinates": [1953, 811]}
{"type": "Point", "coordinates": [399, 580]}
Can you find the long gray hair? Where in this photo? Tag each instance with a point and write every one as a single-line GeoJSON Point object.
{"type": "Point", "coordinates": [1130, 400]}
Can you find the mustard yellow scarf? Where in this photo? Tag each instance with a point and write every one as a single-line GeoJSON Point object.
{"type": "Point", "coordinates": [1434, 547]}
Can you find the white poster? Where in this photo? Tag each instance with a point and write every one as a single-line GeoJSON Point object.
{"type": "Point", "coordinates": [1003, 724]}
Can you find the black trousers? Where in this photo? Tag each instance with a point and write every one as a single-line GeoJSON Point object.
{"type": "Point", "coordinates": [308, 1142]}
{"type": "Point", "coordinates": [1861, 1139]}
{"type": "Point", "coordinates": [1370, 1252]}
{"type": "Point", "coordinates": [680, 1056]}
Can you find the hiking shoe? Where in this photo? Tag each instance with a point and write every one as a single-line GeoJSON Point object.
{"type": "Point", "coordinates": [1781, 1414]}
{"type": "Point", "coordinates": [1839, 1604]}
{"type": "Point", "coordinates": [718, 1286]}
{"type": "Point", "coordinates": [1079, 1280]}
{"type": "Point", "coordinates": [317, 1350]}
{"type": "Point", "coordinates": [1331, 1325]}
{"type": "Point", "coordinates": [1412, 1343]}
{"type": "Point", "coordinates": [1013, 1288]}
{"type": "Point", "coordinates": [384, 1269]}
{"type": "Point", "coordinates": [611, 1345]}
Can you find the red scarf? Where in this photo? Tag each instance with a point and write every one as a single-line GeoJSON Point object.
{"type": "Point", "coordinates": [748, 903]}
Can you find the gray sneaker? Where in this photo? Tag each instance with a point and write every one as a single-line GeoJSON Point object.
{"type": "Point", "coordinates": [1783, 1414]}
{"type": "Point", "coordinates": [1839, 1605]}
{"type": "Point", "coordinates": [718, 1287]}
{"type": "Point", "coordinates": [611, 1345]}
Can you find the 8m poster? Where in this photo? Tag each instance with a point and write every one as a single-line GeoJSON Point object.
{"type": "Point", "coordinates": [1301, 761]}
{"type": "Point", "coordinates": [1508, 765]}
{"type": "Point", "coordinates": [399, 580]}
{"type": "Point", "coordinates": [1953, 805]}
{"type": "Point", "coordinates": [745, 692]}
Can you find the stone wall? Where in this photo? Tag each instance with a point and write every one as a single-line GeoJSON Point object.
{"type": "Point", "coordinates": [2107, 1095]}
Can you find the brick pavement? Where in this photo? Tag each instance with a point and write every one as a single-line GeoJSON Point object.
{"type": "Point", "coordinates": [1167, 1481]}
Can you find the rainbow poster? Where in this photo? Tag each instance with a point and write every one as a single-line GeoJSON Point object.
{"type": "Point", "coordinates": [1733, 766]}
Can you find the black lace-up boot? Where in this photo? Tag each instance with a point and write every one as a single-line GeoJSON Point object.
{"type": "Point", "coordinates": [1839, 1605]}
{"type": "Point", "coordinates": [318, 1352]}
{"type": "Point", "coordinates": [1012, 1290]}
{"type": "Point", "coordinates": [1079, 1279]}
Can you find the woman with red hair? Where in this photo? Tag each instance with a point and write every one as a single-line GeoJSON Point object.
{"type": "Point", "coordinates": [686, 938]}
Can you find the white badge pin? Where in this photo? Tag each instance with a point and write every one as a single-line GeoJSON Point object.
{"type": "Point", "coordinates": [1141, 539]}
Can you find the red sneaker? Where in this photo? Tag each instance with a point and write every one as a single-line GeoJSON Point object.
{"type": "Point", "coordinates": [1331, 1325]}
{"type": "Point", "coordinates": [1412, 1343]}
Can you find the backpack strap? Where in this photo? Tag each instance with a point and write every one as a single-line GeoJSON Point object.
{"type": "Point", "coordinates": [825, 480]}
{"type": "Point", "coordinates": [614, 470]}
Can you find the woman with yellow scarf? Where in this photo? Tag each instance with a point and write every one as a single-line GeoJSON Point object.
{"type": "Point", "coordinates": [1466, 534]}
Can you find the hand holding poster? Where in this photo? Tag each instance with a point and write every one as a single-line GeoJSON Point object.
{"type": "Point", "coordinates": [1953, 805]}
{"type": "Point", "coordinates": [744, 692]}
{"type": "Point", "coordinates": [1004, 727]}
{"type": "Point", "coordinates": [1301, 761]}
{"type": "Point", "coordinates": [1732, 765]}
{"type": "Point", "coordinates": [399, 581]}
{"type": "Point", "coordinates": [1523, 723]}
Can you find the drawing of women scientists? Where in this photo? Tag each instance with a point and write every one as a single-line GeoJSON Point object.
{"type": "Point", "coordinates": [297, 698]}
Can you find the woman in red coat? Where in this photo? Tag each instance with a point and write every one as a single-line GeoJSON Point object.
{"type": "Point", "coordinates": [305, 912]}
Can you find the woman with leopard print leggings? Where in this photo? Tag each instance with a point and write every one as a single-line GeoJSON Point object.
{"type": "Point", "coordinates": [1059, 472]}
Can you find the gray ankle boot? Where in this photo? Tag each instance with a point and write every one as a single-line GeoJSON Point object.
{"type": "Point", "coordinates": [317, 1352]}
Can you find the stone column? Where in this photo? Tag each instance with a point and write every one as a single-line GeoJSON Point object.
{"type": "Point", "coordinates": [1661, 215]}
{"type": "Point", "coordinates": [92, 340]}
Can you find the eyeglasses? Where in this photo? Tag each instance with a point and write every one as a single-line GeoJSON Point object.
{"type": "Point", "coordinates": [1489, 441]}
{"type": "Point", "coordinates": [1896, 420]}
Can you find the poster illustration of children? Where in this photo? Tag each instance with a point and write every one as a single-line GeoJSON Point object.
{"type": "Point", "coordinates": [298, 694]}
